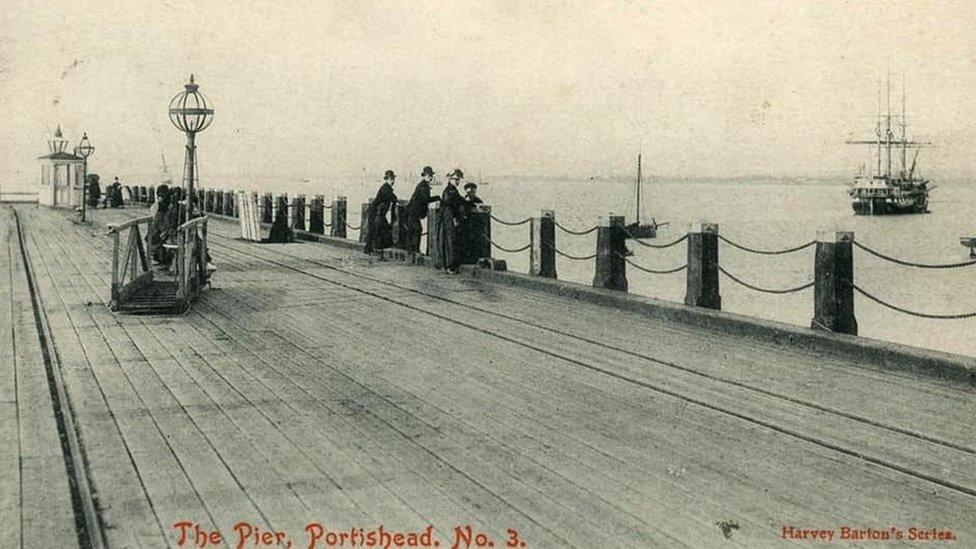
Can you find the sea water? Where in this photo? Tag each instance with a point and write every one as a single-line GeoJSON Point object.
{"type": "Point", "coordinates": [769, 214]}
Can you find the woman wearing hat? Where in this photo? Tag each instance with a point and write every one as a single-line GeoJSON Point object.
{"type": "Point", "coordinates": [452, 212]}
{"type": "Point", "coordinates": [379, 230]}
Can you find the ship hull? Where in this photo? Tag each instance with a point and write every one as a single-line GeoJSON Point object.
{"type": "Point", "coordinates": [881, 195]}
{"type": "Point", "coordinates": [635, 230]}
{"type": "Point", "coordinates": [874, 206]}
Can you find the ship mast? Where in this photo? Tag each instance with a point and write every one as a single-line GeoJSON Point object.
{"type": "Point", "coordinates": [638, 187]}
{"type": "Point", "coordinates": [904, 135]}
{"type": "Point", "coordinates": [888, 128]}
{"type": "Point", "coordinates": [877, 131]}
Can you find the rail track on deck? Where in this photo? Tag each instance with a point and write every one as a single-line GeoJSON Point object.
{"type": "Point", "coordinates": [751, 418]}
{"type": "Point", "coordinates": [88, 523]}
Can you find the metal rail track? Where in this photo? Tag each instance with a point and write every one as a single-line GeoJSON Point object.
{"type": "Point", "coordinates": [88, 522]}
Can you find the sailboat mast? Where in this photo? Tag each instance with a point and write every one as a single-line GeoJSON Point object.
{"type": "Point", "coordinates": [638, 187]}
{"type": "Point", "coordinates": [888, 128]}
{"type": "Point", "coordinates": [904, 136]}
{"type": "Point", "coordinates": [877, 130]}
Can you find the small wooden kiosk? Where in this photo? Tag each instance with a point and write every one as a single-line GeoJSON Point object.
{"type": "Point", "coordinates": [61, 175]}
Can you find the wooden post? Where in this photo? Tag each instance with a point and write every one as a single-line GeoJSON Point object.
{"type": "Point", "coordinates": [476, 239]}
{"type": "Point", "coordinates": [152, 195]}
{"type": "Point", "coordinates": [201, 196]}
{"type": "Point", "coordinates": [267, 208]}
{"type": "Point", "coordinates": [433, 236]}
{"type": "Point", "coordinates": [307, 211]}
{"type": "Point", "coordinates": [364, 223]}
{"type": "Point", "coordinates": [702, 280]}
{"type": "Point", "coordinates": [542, 260]}
{"type": "Point", "coordinates": [231, 201]}
{"type": "Point", "coordinates": [143, 194]}
{"type": "Point", "coordinates": [298, 212]}
{"type": "Point", "coordinates": [400, 235]}
{"type": "Point", "coordinates": [338, 221]}
{"type": "Point", "coordinates": [833, 290]}
{"type": "Point", "coordinates": [316, 215]}
{"type": "Point", "coordinates": [115, 266]}
{"type": "Point", "coordinates": [274, 207]}
{"type": "Point", "coordinates": [289, 211]}
{"type": "Point", "coordinates": [281, 204]}
{"type": "Point", "coordinates": [208, 199]}
{"type": "Point", "coordinates": [611, 247]}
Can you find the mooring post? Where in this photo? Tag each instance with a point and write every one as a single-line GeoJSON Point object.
{"type": "Point", "coordinates": [542, 259]}
{"type": "Point", "coordinates": [143, 194]}
{"type": "Point", "coordinates": [275, 198]}
{"type": "Point", "coordinates": [208, 201]}
{"type": "Point", "coordinates": [152, 195]}
{"type": "Point", "coordinates": [833, 290]}
{"type": "Point", "coordinates": [289, 210]}
{"type": "Point", "coordinates": [364, 223]}
{"type": "Point", "coordinates": [611, 248]}
{"type": "Point", "coordinates": [298, 212]}
{"type": "Point", "coordinates": [476, 236]}
{"type": "Point", "coordinates": [307, 211]}
{"type": "Point", "coordinates": [231, 198]}
{"type": "Point", "coordinates": [338, 217]}
{"type": "Point", "coordinates": [316, 215]}
{"type": "Point", "coordinates": [267, 208]}
{"type": "Point", "coordinates": [433, 236]}
{"type": "Point", "coordinates": [702, 280]}
{"type": "Point", "coordinates": [400, 235]}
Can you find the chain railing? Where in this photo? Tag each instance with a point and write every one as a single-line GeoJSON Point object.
{"type": "Point", "coordinates": [883, 303]}
{"type": "Point", "coordinates": [912, 263]}
{"type": "Point", "coordinates": [574, 232]}
{"type": "Point", "coordinates": [767, 252]}
{"type": "Point", "coordinates": [738, 280]}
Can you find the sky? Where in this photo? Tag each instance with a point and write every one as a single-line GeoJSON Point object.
{"type": "Point", "coordinates": [351, 88]}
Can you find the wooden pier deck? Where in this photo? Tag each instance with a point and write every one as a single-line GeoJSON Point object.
{"type": "Point", "coordinates": [313, 385]}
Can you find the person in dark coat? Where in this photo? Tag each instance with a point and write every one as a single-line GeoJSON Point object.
{"type": "Point", "coordinates": [471, 239]}
{"type": "Point", "coordinates": [418, 208]}
{"type": "Point", "coordinates": [281, 233]}
{"type": "Point", "coordinates": [452, 213]}
{"type": "Point", "coordinates": [380, 231]}
{"type": "Point", "coordinates": [157, 229]}
{"type": "Point", "coordinates": [115, 194]}
{"type": "Point", "coordinates": [94, 190]}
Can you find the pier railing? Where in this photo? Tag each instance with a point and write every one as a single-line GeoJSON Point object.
{"type": "Point", "coordinates": [131, 270]}
{"type": "Point", "coordinates": [832, 277]}
{"type": "Point", "coordinates": [192, 256]}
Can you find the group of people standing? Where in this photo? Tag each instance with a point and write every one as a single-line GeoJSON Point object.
{"type": "Point", "coordinates": [113, 193]}
{"type": "Point", "coordinates": [454, 210]}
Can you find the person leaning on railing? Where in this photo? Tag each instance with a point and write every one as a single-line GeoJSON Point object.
{"type": "Point", "coordinates": [161, 227]}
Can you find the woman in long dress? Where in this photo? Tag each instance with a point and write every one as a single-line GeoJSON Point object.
{"type": "Point", "coordinates": [451, 212]}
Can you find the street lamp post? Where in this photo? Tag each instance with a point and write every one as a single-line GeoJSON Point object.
{"type": "Point", "coordinates": [190, 113]}
{"type": "Point", "coordinates": [85, 149]}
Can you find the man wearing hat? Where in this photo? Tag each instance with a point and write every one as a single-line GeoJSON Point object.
{"type": "Point", "coordinates": [470, 202]}
{"type": "Point", "coordinates": [418, 207]}
{"type": "Point", "coordinates": [380, 231]}
{"type": "Point", "coordinates": [452, 212]}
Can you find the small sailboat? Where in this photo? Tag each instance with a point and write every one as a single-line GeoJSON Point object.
{"type": "Point", "coordinates": [638, 229]}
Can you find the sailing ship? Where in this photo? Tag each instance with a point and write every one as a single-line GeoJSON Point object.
{"type": "Point", "coordinates": [886, 192]}
{"type": "Point", "coordinates": [638, 229]}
